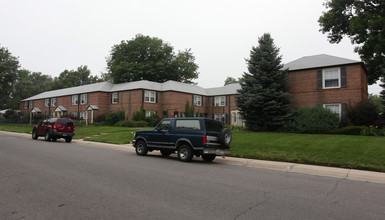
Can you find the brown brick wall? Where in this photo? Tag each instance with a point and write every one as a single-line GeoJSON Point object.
{"type": "Point", "coordinates": [302, 87]}
{"type": "Point", "coordinates": [304, 92]}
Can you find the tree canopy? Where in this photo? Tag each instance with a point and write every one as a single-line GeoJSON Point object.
{"type": "Point", "coordinates": [363, 22]}
{"type": "Point", "coordinates": [149, 58]}
{"type": "Point", "coordinates": [70, 78]}
{"type": "Point", "coordinates": [231, 80]}
{"type": "Point", "coordinates": [9, 65]}
{"type": "Point", "coordinates": [263, 98]}
{"type": "Point", "coordinates": [29, 84]}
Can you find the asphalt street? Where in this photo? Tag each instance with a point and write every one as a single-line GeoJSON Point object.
{"type": "Point", "coordinates": [57, 180]}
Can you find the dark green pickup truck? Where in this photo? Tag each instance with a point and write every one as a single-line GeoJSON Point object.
{"type": "Point", "coordinates": [187, 137]}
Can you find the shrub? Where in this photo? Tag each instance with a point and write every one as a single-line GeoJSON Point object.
{"type": "Point", "coordinates": [363, 114]}
{"type": "Point", "coordinates": [372, 131]}
{"type": "Point", "coordinates": [113, 117]}
{"type": "Point", "coordinates": [352, 130]}
{"type": "Point", "coordinates": [139, 115]}
{"type": "Point", "coordinates": [152, 120]}
{"type": "Point", "coordinates": [312, 120]}
{"type": "Point", "coordinates": [131, 124]}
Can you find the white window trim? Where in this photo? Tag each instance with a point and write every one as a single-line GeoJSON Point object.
{"type": "Point", "coordinates": [149, 113]}
{"type": "Point", "coordinates": [218, 100]}
{"type": "Point", "coordinates": [339, 108]}
{"type": "Point", "coordinates": [149, 94]}
{"type": "Point", "coordinates": [26, 105]}
{"type": "Point", "coordinates": [339, 78]}
{"type": "Point", "coordinates": [53, 102]}
{"type": "Point", "coordinates": [74, 100]}
{"type": "Point", "coordinates": [115, 96]}
{"type": "Point", "coordinates": [30, 104]}
{"type": "Point", "coordinates": [197, 100]}
{"type": "Point", "coordinates": [83, 99]}
{"type": "Point", "coordinates": [220, 117]}
{"type": "Point", "coordinates": [46, 102]}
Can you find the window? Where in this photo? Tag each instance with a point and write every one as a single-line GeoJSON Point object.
{"type": "Point", "coordinates": [197, 100]}
{"type": "Point", "coordinates": [331, 78]}
{"type": "Point", "coordinates": [46, 102]}
{"type": "Point", "coordinates": [115, 98]}
{"type": "Point", "coordinates": [74, 114]}
{"type": "Point", "coordinates": [83, 115]}
{"type": "Point", "coordinates": [25, 105]}
{"type": "Point", "coordinates": [164, 125]}
{"type": "Point", "coordinates": [213, 126]}
{"type": "Point", "coordinates": [30, 104]}
{"type": "Point", "coordinates": [335, 108]}
{"type": "Point", "coordinates": [219, 117]}
{"type": "Point", "coordinates": [220, 101]}
{"type": "Point", "coordinates": [149, 96]}
{"type": "Point", "coordinates": [75, 100]}
{"type": "Point", "coordinates": [83, 99]}
{"type": "Point", "coordinates": [188, 124]}
{"type": "Point", "coordinates": [53, 102]}
{"type": "Point", "coordinates": [149, 113]}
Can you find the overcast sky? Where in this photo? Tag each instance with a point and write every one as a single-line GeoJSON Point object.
{"type": "Point", "coordinates": [50, 36]}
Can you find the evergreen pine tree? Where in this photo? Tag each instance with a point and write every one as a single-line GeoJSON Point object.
{"type": "Point", "coordinates": [263, 98]}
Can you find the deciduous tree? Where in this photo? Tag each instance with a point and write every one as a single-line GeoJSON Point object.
{"type": "Point", "coordinates": [71, 78]}
{"type": "Point", "coordinates": [149, 58]}
{"type": "Point", "coordinates": [9, 65]}
{"type": "Point", "coordinates": [363, 22]}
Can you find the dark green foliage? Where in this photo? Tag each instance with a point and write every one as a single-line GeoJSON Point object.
{"type": "Point", "coordinates": [363, 22]}
{"type": "Point", "coordinates": [351, 130]}
{"type": "Point", "coordinates": [139, 115]}
{"type": "Point", "coordinates": [147, 58]}
{"type": "Point", "coordinates": [8, 76]}
{"type": "Point", "coordinates": [189, 110]}
{"type": "Point", "coordinates": [29, 84]}
{"type": "Point", "coordinates": [263, 98]}
{"type": "Point", "coordinates": [113, 117]}
{"type": "Point", "coordinates": [364, 113]}
{"type": "Point", "coordinates": [71, 78]}
{"type": "Point", "coordinates": [152, 120]}
{"type": "Point", "coordinates": [131, 124]}
{"type": "Point", "coordinates": [231, 80]}
{"type": "Point", "coordinates": [377, 101]}
{"type": "Point", "coordinates": [100, 118]}
{"type": "Point", "coordinates": [315, 120]}
{"type": "Point", "coordinates": [372, 131]}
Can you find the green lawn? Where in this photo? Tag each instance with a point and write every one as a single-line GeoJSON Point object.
{"type": "Point", "coordinates": [358, 152]}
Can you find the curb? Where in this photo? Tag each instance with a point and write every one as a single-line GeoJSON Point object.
{"type": "Point", "coordinates": [341, 173]}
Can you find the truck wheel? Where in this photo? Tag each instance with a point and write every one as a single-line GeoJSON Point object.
{"type": "Point", "coordinates": [69, 139]}
{"type": "Point", "coordinates": [185, 153]}
{"type": "Point", "coordinates": [208, 157]}
{"type": "Point", "coordinates": [34, 135]}
{"type": "Point", "coordinates": [47, 136]}
{"type": "Point", "coordinates": [226, 137]}
{"type": "Point", "coordinates": [165, 152]}
{"type": "Point", "coordinates": [141, 148]}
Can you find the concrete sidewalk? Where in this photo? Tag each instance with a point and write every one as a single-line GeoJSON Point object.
{"type": "Point", "coordinates": [351, 174]}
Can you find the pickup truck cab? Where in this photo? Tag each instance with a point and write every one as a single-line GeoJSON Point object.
{"type": "Point", "coordinates": [185, 136]}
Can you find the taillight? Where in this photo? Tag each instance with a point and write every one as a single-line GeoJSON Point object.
{"type": "Point", "coordinates": [73, 128]}
{"type": "Point", "coordinates": [54, 127]}
{"type": "Point", "coordinates": [204, 139]}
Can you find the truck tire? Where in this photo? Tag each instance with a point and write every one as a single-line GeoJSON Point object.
{"type": "Point", "coordinates": [47, 136]}
{"type": "Point", "coordinates": [34, 134]}
{"type": "Point", "coordinates": [208, 157]}
{"type": "Point", "coordinates": [185, 153]}
{"type": "Point", "coordinates": [69, 139]}
{"type": "Point", "coordinates": [226, 137]}
{"type": "Point", "coordinates": [141, 148]}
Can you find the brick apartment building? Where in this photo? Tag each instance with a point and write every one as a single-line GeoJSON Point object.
{"type": "Point", "coordinates": [315, 80]}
